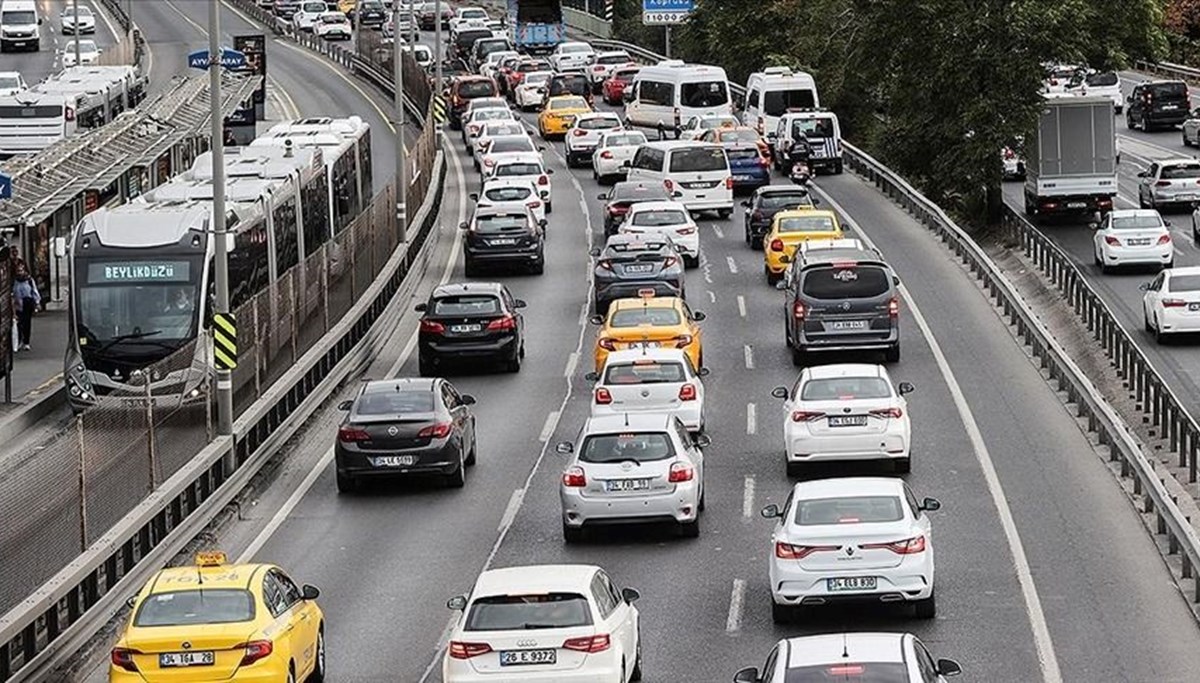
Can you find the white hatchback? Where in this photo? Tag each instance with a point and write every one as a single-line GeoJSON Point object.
{"type": "Point", "coordinates": [845, 411]}
{"type": "Point", "coordinates": [503, 147]}
{"type": "Point", "coordinates": [669, 219]}
{"type": "Point", "coordinates": [511, 194]}
{"type": "Point", "coordinates": [571, 56]}
{"type": "Point", "coordinates": [650, 381]}
{"type": "Point", "coordinates": [89, 52]}
{"type": "Point", "coordinates": [569, 623]}
{"type": "Point", "coordinates": [853, 539]}
{"type": "Point", "coordinates": [473, 126]}
{"type": "Point", "coordinates": [1132, 237]}
{"type": "Point", "coordinates": [1171, 303]}
{"type": "Point", "coordinates": [531, 92]}
{"type": "Point", "coordinates": [529, 167]}
{"type": "Point", "coordinates": [496, 129]}
{"type": "Point", "coordinates": [613, 150]}
{"type": "Point", "coordinates": [583, 137]}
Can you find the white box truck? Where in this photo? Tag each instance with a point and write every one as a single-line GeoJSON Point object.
{"type": "Point", "coordinates": [1071, 159]}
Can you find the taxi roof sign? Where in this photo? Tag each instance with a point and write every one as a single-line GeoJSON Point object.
{"type": "Point", "coordinates": [210, 558]}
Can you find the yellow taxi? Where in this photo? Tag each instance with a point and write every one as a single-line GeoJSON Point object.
{"type": "Point", "coordinates": [649, 322]}
{"type": "Point", "coordinates": [788, 230]}
{"type": "Point", "coordinates": [559, 113]}
{"type": "Point", "coordinates": [247, 623]}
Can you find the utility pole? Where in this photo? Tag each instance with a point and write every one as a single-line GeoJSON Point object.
{"type": "Point", "coordinates": [413, 29]}
{"type": "Point", "coordinates": [437, 50]}
{"type": "Point", "coordinates": [667, 46]}
{"type": "Point", "coordinates": [75, 9]}
{"type": "Point", "coordinates": [358, 26]}
{"type": "Point", "coordinates": [401, 157]}
{"type": "Point", "coordinates": [224, 377]}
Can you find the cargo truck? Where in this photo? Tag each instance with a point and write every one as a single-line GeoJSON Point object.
{"type": "Point", "coordinates": [536, 26]}
{"type": "Point", "coordinates": [1071, 159]}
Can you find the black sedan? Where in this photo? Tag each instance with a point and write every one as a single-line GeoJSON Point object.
{"type": "Point", "coordinates": [633, 266]}
{"type": "Point", "coordinates": [624, 195]}
{"type": "Point", "coordinates": [768, 201]}
{"type": "Point", "coordinates": [470, 321]}
{"type": "Point", "coordinates": [504, 237]}
{"type": "Point", "coordinates": [407, 426]}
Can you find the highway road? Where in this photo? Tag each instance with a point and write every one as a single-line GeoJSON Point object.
{"type": "Point", "coordinates": [36, 66]}
{"type": "Point", "coordinates": [1045, 572]}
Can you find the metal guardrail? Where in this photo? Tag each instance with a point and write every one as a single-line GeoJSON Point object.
{"type": "Point", "coordinates": [1178, 71]}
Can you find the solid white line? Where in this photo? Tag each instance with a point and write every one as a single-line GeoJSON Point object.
{"type": "Point", "coordinates": [510, 512]}
{"type": "Point", "coordinates": [751, 418]}
{"type": "Point", "coordinates": [1047, 658]}
{"type": "Point", "coordinates": [748, 352]}
{"type": "Point", "coordinates": [748, 496]}
{"type": "Point", "coordinates": [549, 426]}
{"type": "Point", "coordinates": [731, 263]}
{"type": "Point", "coordinates": [718, 231]}
{"type": "Point", "coordinates": [572, 362]}
{"type": "Point", "coordinates": [741, 305]}
{"type": "Point", "coordinates": [733, 623]}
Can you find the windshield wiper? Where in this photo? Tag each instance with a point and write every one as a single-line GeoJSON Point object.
{"type": "Point", "coordinates": [126, 337]}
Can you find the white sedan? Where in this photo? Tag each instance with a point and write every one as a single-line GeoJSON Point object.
{"type": "Point", "coordinates": [488, 67]}
{"type": "Point", "coordinates": [614, 148]}
{"type": "Point", "coordinates": [531, 93]}
{"type": "Point", "coordinates": [525, 166]}
{"type": "Point", "coordinates": [571, 56]}
{"type": "Point", "coordinates": [504, 146]}
{"type": "Point", "coordinates": [472, 126]}
{"type": "Point", "coordinates": [670, 219]}
{"type": "Point", "coordinates": [496, 129]}
{"type": "Point", "coordinates": [89, 52]}
{"type": "Point", "coordinates": [653, 380]}
{"type": "Point", "coordinates": [568, 623]}
{"type": "Point", "coordinates": [1171, 303]}
{"type": "Point", "coordinates": [333, 26]}
{"type": "Point", "coordinates": [511, 195]}
{"type": "Point", "coordinates": [845, 411]}
{"type": "Point", "coordinates": [861, 539]}
{"type": "Point", "coordinates": [1133, 237]}
{"type": "Point", "coordinates": [581, 140]}
{"type": "Point", "coordinates": [11, 83]}
{"type": "Point", "coordinates": [75, 24]}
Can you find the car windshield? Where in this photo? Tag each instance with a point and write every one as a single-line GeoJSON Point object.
{"type": "Point", "coordinates": [466, 304]}
{"type": "Point", "coordinates": [475, 89]}
{"type": "Point", "coordinates": [779, 200]}
{"type": "Point", "coordinates": [508, 222]}
{"type": "Point", "coordinates": [644, 315]}
{"type": "Point", "coordinates": [845, 281]}
{"type": "Point", "coordinates": [515, 144]}
{"type": "Point", "coordinates": [1136, 222]}
{"type": "Point", "coordinates": [17, 17]}
{"type": "Point", "coordinates": [507, 194]}
{"type": "Point", "coordinates": [1181, 171]}
{"type": "Point", "coordinates": [625, 140]}
{"type": "Point", "coordinates": [528, 612]}
{"type": "Point", "coordinates": [599, 123]}
{"type": "Point", "coordinates": [812, 128]}
{"type": "Point", "coordinates": [845, 389]}
{"type": "Point", "coordinates": [191, 607]}
{"type": "Point", "coordinates": [659, 217]}
{"type": "Point", "coordinates": [645, 372]}
{"type": "Point", "coordinates": [778, 102]}
{"type": "Point", "coordinates": [83, 12]}
{"type": "Point", "coordinates": [857, 672]}
{"type": "Point", "coordinates": [388, 401]}
{"type": "Point", "coordinates": [639, 447]}
{"type": "Point", "coordinates": [698, 159]}
{"type": "Point", "coordinates": [704, 94]}
{"type": "Point", "coordinates": [849, 510]}
{"type": "Point", "coordinates": [818, 223]}
{"type": "Point", "coordinates": [84, 46]}
{"type": "Point", "coordinates": [568, 103]}
{"type": "Point", "coordinates": [317, 7]}
{"type": "Point", "coordinates": [511, 170]}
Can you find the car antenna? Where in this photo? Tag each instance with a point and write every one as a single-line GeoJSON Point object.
{"type": "Point", "coordinates": [845, 647]}
{"type": "Point", "coordinates": [626, 419]}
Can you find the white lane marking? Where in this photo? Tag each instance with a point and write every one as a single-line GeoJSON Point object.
{"type": "Point", "coordinates": [748, 352]}
{"type": "Point", "coordinates": [572, 362]}
{"type": "Point", "coordinates": [732, 264]}
{"type": "Point", "coordinates": [733, 623]}
{"type": "Point", "coordinates": [748, 496]}
{"type": "Point", "coordinates": [751, 418]}
{"type": "Point", "coordinates": [712, 296]}
{"type": "Point", "coordinates": [741, 305]}
{"type": "Point", "coordinates": [1047, 658]}
{"type": "Point", "coordinates": [720, 233]}
{"type": "Point", "coordinates": [549, 425]}
{"type": "Point", "coordinates": [293, 500]}
{"type": "Point", "coordinates": [510, 512]}
{"type": "Point", "coordinates": [706, 268]}
{"type": "Point", "coordinates": [370, 100]}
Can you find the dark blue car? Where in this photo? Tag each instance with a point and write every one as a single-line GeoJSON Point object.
{"type": "Point", "coordinates": [750, 169]}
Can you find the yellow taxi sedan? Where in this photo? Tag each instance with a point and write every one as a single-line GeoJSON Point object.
{"type": "Point", "coordinates": [788, 230]}
{"type": "Point", "coordinates": [559, 113]}
{"type": "Point", "coordinates": [246, 623]}
{"type": "Point", "coordinates": [650, 322]}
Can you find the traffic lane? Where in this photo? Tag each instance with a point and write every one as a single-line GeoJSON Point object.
{"type": "Point", "coordinates": [36, 66]}
{"type": "Point", "coordinates": [1068, 508]}
{"type": "Point", "coordinates": [434, 539]}
{"type": "Point", "coordinates": [169, 39]}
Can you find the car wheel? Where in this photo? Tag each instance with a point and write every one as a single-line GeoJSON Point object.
{"type": "Point", "coordinates": [570, 159]}
{"type": "Point", "coordinates": [1168, 264]}
{"type": "Point", "coordinates": [700, 505]}
{"type": "Point", "coordinates": [756, 243]}
{"type": "Point", "coordinates": [470, 461]}
{"type": "Point", "coordinates": [291, 677]}
{"type": "Point", "coordinates": [346, 483]}
{"type": "Point", "coordinates": [595, 175]}
{"type": "Point", "coordinates": [1096, 257]}
{"type": "Point", "coordinates": [690, 529]}
{"type": "Point", "coordinates": [514, 364]}
{"type": "Point", "coordinates": [1159, 337]}
{"type": "Point", "coordinates": [781, 614]}
{"type": "Point", "coordinates": [539, 267]}
{"type": "Point", "coordinates": [1186, 142]}
{"type": "Point", "coordinates": [549, 206]}
{"type": "Point", "coordinates": [902, 465]}
{"type": "Point", "coordinates": [425, 367]}
{"type": "Point", "coordinates": [772, 278]}
{"type": "Point", "coordinates": [572, 534]}
{"type": "Point", "coordinates": [318, 673]}
{"type": "Point", "coordinates": [1146, 321]}
{"type": "Point", "coordinates": [1129, 122]}
{"type": "Point", "coordinates": [1145, 126]}
{"type": "Point", "coordinates": [927, 608]}
{"type": "Point", "coordinates": [636, 674]}
{"type": "Point", "coordinates": [892, 355]}
{"type": "Point", "coordinates": [458, 478]}
{"type": "Point", "coordinates": [838, 168]}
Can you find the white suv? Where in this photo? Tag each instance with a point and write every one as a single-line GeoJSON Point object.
{"type": "Point", "coordinates": [583, 137]}
{"type": "Point", "coordinates": [571, 56]}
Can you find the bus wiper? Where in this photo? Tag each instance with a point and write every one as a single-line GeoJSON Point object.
{"type": "Point", "coordinates": [126, 337]}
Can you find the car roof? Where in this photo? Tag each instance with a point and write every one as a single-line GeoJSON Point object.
{"type": "Point", "coordinates": [192, 577]}
{"type": "Point", "coordinates": [667, 145]}
{"type": "Point", "coordinates": [801, 213]}
{"type": "Point", "coordinates": [626, 422]}
{"type": "Point", "coordinates": [506, 158]}
{"type": "Point", "coordinates": [848, 486]}
{"type": "Point", "coordinates": [1129, 213]}
{"type": "Point", "coordinates": [824, 256]}
{"type": "Point", "coordinates": [657, 354]}
{"type": "Point", "coordinates": [845, 370]}
{"type": "Point", "coordinates": [382, 386]}
{"type": "Point", "coordinates": [1188, 161]}
{"type": "Point", "coordinates": [657, 205]}
{"type": "Point", "coordinates": [452, 289]}
{"type": "Point", "coordinates": [832, 648]}
{"type": "Point", "coordinates": [535, 579]}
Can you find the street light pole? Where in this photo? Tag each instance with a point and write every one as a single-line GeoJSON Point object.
{"type": "Point", "coordinates": [437, 49]}
{"type": "Point", "coordinates": [401, 157]}
{"type": "Point", "coordinates": [224, 377]}
{"type": "Point", "coordinates": [75, 32]}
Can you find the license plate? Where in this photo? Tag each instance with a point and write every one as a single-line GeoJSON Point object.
{"type": "Point", "coordinates": [170, 659]}
{"type": "Point", "coordinates": [1186, 197]}
{"type": "Point", "coordinates": [465, 328]}
{"type": "Point", "coordinates": [1076, 205]}
{"type": "Point", "coordinates": [851, 583]}
{"type": "Point", "coordinates": [627, 485]}
{"type": "Point", "coordinates": [843, 325]}
{"type": "Point", "coordinates": [644, 345]}
{"type": "Point", "coordinates": [640, 268]}
{"type": "Point", "coordinates": [1139, 242]}
{"type": "Point", "coordinates": [502, 242]}
{"type": "Point", "coordinates": [521, 657]}
{"type": "Point", "coordinates": [1170, 106]}
{"type": "Point", "coordinates": [847, 420]}
{"type": "Point", "coordinates": [394, 460]}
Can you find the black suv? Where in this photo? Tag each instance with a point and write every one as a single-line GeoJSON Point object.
{"type": "Point", "coordinates": [374, 14]}
{"type": "Point", "coordinates": [768, 201]}
{"type": "Point", "coordinates": [470, 321]}
{"type": "Point", "coordinates": [624, 195]}
{"type": "Point", "coordinates": [841, 299]}
{"type": "Point", "coordinates": [496, 236]}
{"type": "Point", "coordinates": [629, 265]}
{"type": "Point", "coordinates": [1157, 103]}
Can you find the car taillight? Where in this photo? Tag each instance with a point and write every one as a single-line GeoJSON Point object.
{"type": "Point", "coordinates": [676, 117]}
{"type": "Point", "coordinates": [535, 204]}
{"type": "Point", "coordinates": [589, 644]}
{"type": "Point", "coordinates": [888, 412]}
{"type": "Point", "coordinates": [909, 546]}
{"type": "Point", "coordinates": [1173, 303]}
{"type": "Point", "coordinates": [606, 154]}
{"type": "Point", "coordinates": [806, 415]}
{"type": "Point", "coordinates": [489, 162]}
{"type": "Point", "coordinates": [603, 396]}
{"type": "Point", "coordinates": [543, 180]}
{"type": "Point", "coordinates": [1163, 183]}
{"type": "Point", "coordinates": [461, 650]}
{"type": "Point", "coordinates": [729, 183]}
{"type": "Point", "coordinates": [1009, 154]}
{"type": "Point", "coordinates": [681, 472]}
{"type": "Point", "coordinates": [506, 324]}
{"type": "Point", "coordinates": [686, 231]}
{"type": "Point", "coordinates": [798, 310]}
{"type": "Point", "coordinates": [1109, 239]}
{"type": "Point", "coordinates": [597, 68]}
{"type": "Point", "coordinates": [432, 327]}
{"type": "Point", "coordinates": [435, 431]}
{"type": "Point", "coordinates": [69, 113]}
{"type": "Point", "coordinates": [893, 308]}
{"type": "Point", "coordinates": [787, 551]}
{"type": "Point", "coordinates": [683, 340]}
{"type": "Point", "coordinates": [618, 210]}
{"type": "Point", "coordinates": [669, 261]}
{"type": "Point", "coordinates": [669, 184]}
{"type": "Point", "coordinates": [607, 343]}
{"type": "Point", "coordinates": [574, 477]}
{"type": "Point", "coordinates": [776, 245]}
{"type": "Point", "coordinates": [757, 215]}
{"type": "Point", "coordinates": [123, 657]}
{"type": "Point", "coordinates": [256, 650]}
{"type": "Point", "coordinates": [687, 392]}
{"type": "Point", "coordinates": [352, 434]}
{"type": "Point", "coordinates": [579, 132]}
{"type": "Point", "coordinates": [1164, 239]}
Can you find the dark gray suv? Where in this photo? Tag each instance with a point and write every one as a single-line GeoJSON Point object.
{"type": "Point", "coordinates": [841, 299]}
{"type": "Point", "coordinates": [630, 264]}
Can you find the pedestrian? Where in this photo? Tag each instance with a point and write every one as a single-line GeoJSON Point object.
{"type": "Point", "coordinates": [25, 300]}
{"type": "Point", "coordinates": [14, 255]}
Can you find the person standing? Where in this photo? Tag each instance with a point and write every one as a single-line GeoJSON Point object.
{"type": "Point", "coordinates": [25, 301]}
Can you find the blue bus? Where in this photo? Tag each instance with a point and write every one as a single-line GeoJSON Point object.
{"type": "Point", "coordinates": [536, 26]}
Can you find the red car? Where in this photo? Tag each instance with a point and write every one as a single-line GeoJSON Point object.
{"type": "Point", "coordinates": [517, 74]}
{"type": "Point", "coordinates": [614, 85]}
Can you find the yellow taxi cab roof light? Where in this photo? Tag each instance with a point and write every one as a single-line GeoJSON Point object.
{"type": "Point", "coordinates": [844, 264]}
{"type": "Point", "coordinates": [646, 293]}
{"type": "Point", "coordinates": [210, 558]}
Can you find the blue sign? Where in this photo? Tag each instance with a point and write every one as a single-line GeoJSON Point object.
{"type": "Point", "coordinates": [230, 59]}
{"type": "Point", "coordinates": [5, 186]}
{"type": "Point", "coordinates": [668, 5]}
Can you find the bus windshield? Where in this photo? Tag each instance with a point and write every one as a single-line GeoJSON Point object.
{"type": "Point", "coordinates": [127, 299]}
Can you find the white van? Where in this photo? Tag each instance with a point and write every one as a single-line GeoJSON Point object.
{"type": "Point", "coordinates": [697, 172]}
{"type": "Point", "coordinates": [824, 134]}
{"type": "Point", "coordinates": [672, 92]}
{"type": "Point", "coordinates": [773, 92]}
{"type": "Point", "coordinates": [19, 25]}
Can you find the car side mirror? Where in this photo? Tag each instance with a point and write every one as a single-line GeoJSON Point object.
{"type": "Point", "coordinates": [782, 285]}
{"type": "Point", "coordinates": [748, 675]}
{"type": "Point", "coordinates": [40, 20]}
{"type": "Point", "coordinates": [746, 204]}
{"type": "Point", "coordinates": [594, 251]}
{"type": "Point", "coordinates": [541, 148]}
{"type": "Point", "coordinates": [676, 194]}
{"type": "Point", "coordinates": [1094, 225]}
{"type": "Point", "coordinates": [905, 388]}
{"type": "Point", "coordinates": [565, 447]}
{"type": "Point", "coordinates": [1145, 286]}
{"type": "Point", "coordinates": [592, 377]}
{"type": "Point", "coordinates": [131, 602]}
{"type": "Point", "coordinates": [703, 372]}
{"type": "Point", "coordinates": [630, 595]}
{"type": "Point", "coordinates": [948, 667]}
{"type": "Point", "coordinates": [815, 201]}
{"type": "Point", "coordinates": [602, 197]}
{"type": "Point", "coordinates": [701, 440]}
{"type": "Point", "coordinates": [345, 405]}
{"type": "Point", "coordinates": [698, 316]}
{"type": "Point", "coordinates": [931, 505]}
{"type": "Point", "coordinates": [780, 393]}
{"type": "Point", "coordinates": [627, 96]}
{"type": "Point", "coordinates": [549, 171]}
{"type": "Point", "coordinates": [542, 222]}
{"type": "Point", "coordinates": [1167, 223]}
{"type": "Point", "coordinates": [458, 602]}
{"type": "Point", "coordinates": [770, 512]}
{"type": "Point", "coordinates": [467, 399]}
{"type": "Point", "coordinates": [421, 307]}
{"type": "Point", "coordinates": [1141, 174]}
{"type": "Point", "coordinates": [309, 592]}
{"type": "Point", "coordinates": [474, 196]}
{"type": "Point", "coordinates": [463, 226]}
{"type": "Point", "coordinates": [596, 320]}
{"type": "Point", "coordinates": [519, 303]}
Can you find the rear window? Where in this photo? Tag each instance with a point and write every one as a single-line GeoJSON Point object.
{"type": "Point", "coordinates": [390, 402]}
{"type": "Point", "coordinates": [643, 447]}
{"type": "Point", "coordinates": [645, 372]}
{"type": "Point", "coordinates": [612, 59]}
{"type": "Point", "coordinates": [632, 317]}
{"type": "Point", "coordinates": [850, 510]}
{"type": "Point", "coordinates": [869, 672]}
{"type": "Point", "coordinates": [500, 223]}
{"type": "Point", "coordinates": [521, 144]}
{"type": "Point", "coordinates": [704, 94]}
{"type": "Point", "coordinates": [659, 217]}
{"type": "Point", "coordinates": [508, 194]}
{"type": "Point", "coordinates": [499, 130]}
{"type": "Point", "coordinates": [515, 170]}
{"type": "Point", "coordinates": [1103, 79]}
{"type": "Point", "coordinates": [470, 89]}
{"type": "Point", "coordinates": [845, 389]}
{"type": "Point", "coordinates": [626, 248]}
{"type": "Point", "coordinates": [640, 192]}
{"type": "Point", "coordinates": [737, 135]}
{"type": "Point", "coordinates": [778, 102]}
{"type": "Point", "coordinates": [775, 200]}
{"type": "Point", "coordinates": [743, 154]}
{"type": "Point", "coordinates": [574, 86]}
{"type": "Point", "coordinates": [536, 78]}
{"type": "Point", "coordinates": [209, 606]}
{"type": "Point", "coordinates": [1181, 171]}
{"type": "Point", "coordinates": [806, 224]}
{"type": "Point", "coordinates": [569, 103]}
{"type": "Point", "coordinates": [600, 123]}
{"type": "Point", "coordinates": [467, 38]}
{"type": "Point", "coordinates": [528, 612]}
{"type": "Point", "coordinates": [812, 128]}
{"type": "Point", "coordinates": [466, 305]}
{"type": "Point", "coordinates": [1169, 90]}
{"type": "Point", "coordinates": [698, 160]}
{"type": "Point", "coordinates": [846, 282]}
{"type": "Point", "coordinates": [625, 140]}
{"type": "Point", "coordinates": [484, 47]}
{"type": "Point", "coordinates": [1184, 283]}
{"type": "Point", "coordinates": [625, 74]}
{"type": "Point", "coordinates": [491, 114]}
{"type": "Point", "coordinates": [1136, 222]}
